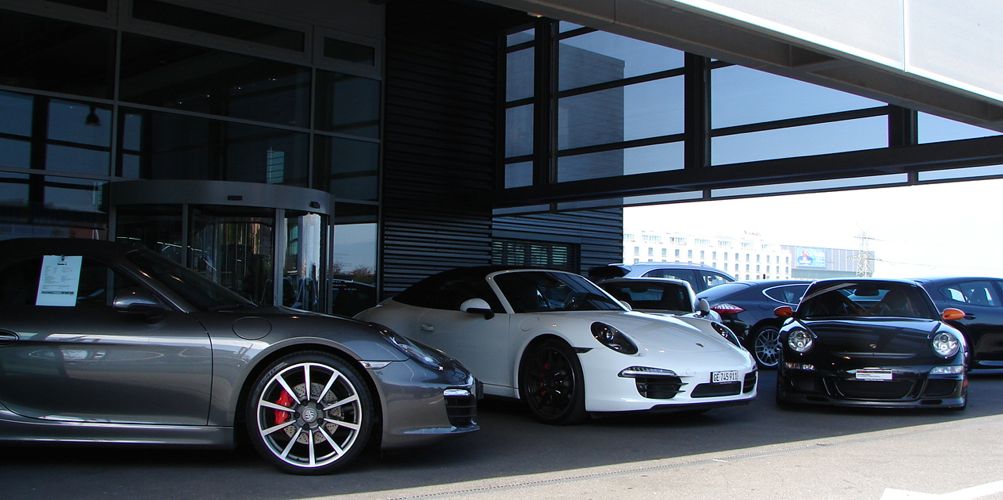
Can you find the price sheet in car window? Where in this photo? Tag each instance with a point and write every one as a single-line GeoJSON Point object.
{"type": "Point", "coordinates": [57, 284]}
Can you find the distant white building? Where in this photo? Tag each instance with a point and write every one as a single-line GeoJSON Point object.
{"type": "Point", "coordinates": [745, 257]}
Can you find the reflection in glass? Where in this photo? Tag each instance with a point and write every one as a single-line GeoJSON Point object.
{"type": "Point", "coordinates": [628, 161]}
{"type": "Point", "coordinates": [16, 110]}
{"type": "Point", "coordinates": [13, 189]}
{"type": "Point", "coordinates": [347, 168]}
{"type": "Point", "coordinates": [157, 227]}
{"type": "Point", "coordinates": [218, 24]}
{"type": "Point", "coordinates": [39, 53]}
{"type": "Point", "coordinates": [79, 123]}
{"type": "Point", "coordinates": [519, 131]}
{"type": "Point", "coordinates": [349, 51]}
{"type": "Point", "coordinates": [77, 160]}
{"type": "Point", "coordinates": [183, 147]}
{"type": "Point", "coordinates": [302, 273]}
{"type": "Point", "coordinates": [639, 111]}
{"type": "Point", "coordinates": [933, 128]}
{"type": "Point", "coordinates": [354, 269]}
{"type": "Point", "coordinates": [348, 104]}
{"type": "Point", "coordinates": [234, 249]}
{"type": "Point", "coordinates": [600, 57]}
{"type": "Point", "coordinates": [520, 37]}
{"type": "Point", "coordinates": [519, 75]}
{"type": "Point", "coordinates": [519, 174]}
{"type": "Point", "coordinates": [179, 76]}
{"type": "Point", "coordinates": [740, 96]}
{"type": "Point", "coordinates": [823, 138]}
{"type": "Point", "coordinates": [78, 195]}
{"type": "Point", "coordinates": [15, 153]}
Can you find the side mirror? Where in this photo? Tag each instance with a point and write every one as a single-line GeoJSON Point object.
{"type": "Point", "coordinates": [784, 312]}
{"type": "Point", "coordinates": [952, 314]}
{"type": "Point", "coordinates": [477, 306]}
{"type": "Point", "coordinates": [703, 307]}
{"type": "Point", "coordinates": [626, 305]}
{"type": "Point", "coordinates": [137, 301]}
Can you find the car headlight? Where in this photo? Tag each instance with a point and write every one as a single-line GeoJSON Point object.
{"type": "Point", "coordinates": [800, 340]}
{"type": "Point", "coordinates": [945, 344]}
{"type": "Point", "coordinates": [613, 338]}
{"type": "Point", "coordinates": [423, 354]}
{"type": "Point", "coordinates": [726, 333]}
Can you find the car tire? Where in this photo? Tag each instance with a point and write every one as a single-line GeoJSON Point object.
{"type": "Point", "coordinates": [309, 428]}
{"type": "Point", "coordinates": [766, 347]}
{"type": "Point", "coordinates": [551, 383]}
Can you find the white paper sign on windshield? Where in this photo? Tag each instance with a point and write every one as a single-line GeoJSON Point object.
{"type": "Point", "coordinates": [57, 285]}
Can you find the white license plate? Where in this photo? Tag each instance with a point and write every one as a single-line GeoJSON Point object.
{"type": "Point", "coordinates": [718, 377]}
{"type": "Point", "coordinates": [878, 375]}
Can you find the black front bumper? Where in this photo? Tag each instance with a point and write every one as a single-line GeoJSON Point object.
{"type": "Point", "coordinates": [910, 387]}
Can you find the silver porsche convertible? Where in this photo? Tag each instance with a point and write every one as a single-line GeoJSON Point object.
{"type": "Point", "coordinates": [107, 343]}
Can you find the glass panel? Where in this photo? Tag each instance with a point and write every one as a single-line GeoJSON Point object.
{"type": "Point", "coordinates": [302, 273]}
{"type": "Point", "coordinates": [179, 76]}
{"type": "Point", "coordinates": [13, 189]}
{"type": "Point", "coordinates": [16, 110]}
{"type": "Point", "coordinates": [637, 111]}
{"type": "Point", "coordinates": [348, 104]}
{"type": "Point", "coordinates": [348, 51]}
{"type": "Point", "coordinates": [519, 131]}
{"type": "Point", "coordinates": [347, 168]}
{"type": "Point", "coordinates": [519, 75]}
{"type": "Point", "coordinates": [962, 173]}
{"type": "Point", "coordinates": [78, 195]}
{"type": "Point", "coordinates": [79, 123]}
{"type": "Point", "coordinates": [833, 137]}
{"type": "Point", "coordinates": [234, 247]}
{"type": "Point", "coordinates": [637, 160]}
{"type": "Point", "coordinates": [217, 24]}
{"type": "Point", "coordinates": [15, 153]}
{"type": "Point", "coordinates": [156, 227]}
{"type": "Point", "coordinates": [935, 129]}
{"type": "Point", "coordinates": [354, 269]}
{"type": "Point", "coordinates": [66, 159]}
{"type": "Point", "coordinates": [101, 5]}
{"type": "Point", "coordinates": [740, 96]}
{"type": "Point", "coordinates": [182, 147]}
{"type": "Point", "coordinates": [519, 174]}
{"type": "Point", "coordinates": [521, 37]}
{"type": "Point", "coordinates": [39, 54]}
{"type": "Point", "coordinates": [568, 26]}
{"type": "Point", "coordinates": [600, 57]}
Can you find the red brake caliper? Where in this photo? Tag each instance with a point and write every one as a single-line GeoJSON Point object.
{"type": "Point", "coordinates": [284, 400]}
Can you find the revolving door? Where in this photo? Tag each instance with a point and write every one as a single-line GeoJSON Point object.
{"type": "Point", "coordinates": [269, 243]}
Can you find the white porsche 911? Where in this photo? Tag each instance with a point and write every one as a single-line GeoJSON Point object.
{"type": "Point", "coordinates": [566, 347]}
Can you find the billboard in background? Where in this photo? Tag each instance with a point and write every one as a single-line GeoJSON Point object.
{"type": "Point", "coordinates": [813, 258]}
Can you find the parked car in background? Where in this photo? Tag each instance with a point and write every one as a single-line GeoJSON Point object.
{"type": "Point", "coordinates": [567, 348]}
{"type": "Point", "coordinates": [869, 342]}
{"type": "Point", "coordinates": [666, 296]}
{"type": "Point", "coordinates": [746, 307]}
{"type": "Point", "coordinates": [982, 326]}
{"type": "Point", "coordinates": [111, 343]}
{"type": "Point", "coordinates": [700, 277]}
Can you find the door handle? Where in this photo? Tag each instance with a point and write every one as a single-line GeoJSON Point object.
{"type": "Point", "coordinates": [8, 337]}
{"type": "Point", "coordinates": [427, 328]}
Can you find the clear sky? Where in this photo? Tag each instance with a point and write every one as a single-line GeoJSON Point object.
{"type": "Point", "coordinates": [926, 230]}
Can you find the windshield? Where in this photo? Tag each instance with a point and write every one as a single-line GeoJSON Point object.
{"type": "Point", "coordinates": [546, 291]}
{"type": "Point", "coordinates": [865, 299]}
{"type": "Point", "coordinates": [195, 289]}
{"type": "Point", "coordinates": [652, 296]}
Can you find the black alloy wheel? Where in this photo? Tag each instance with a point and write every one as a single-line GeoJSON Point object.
{"type": "Point", "coordinates": [309, 413]}
{"type": "Point", "coordinates": [766, 347]}
{"type": "Point", "coordinates": [551, 383]}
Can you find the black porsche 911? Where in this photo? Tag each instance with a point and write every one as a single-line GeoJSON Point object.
{"type": "Point", "coordinates": [874, 343]}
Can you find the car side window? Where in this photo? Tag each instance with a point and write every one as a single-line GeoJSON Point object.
{"type": "Point", "coordinates": [788, 294]}
{"type": "Point", "coordinates": [99, 284]}
{"type": "Point", "coordinates": [679, 274]}
{"type": "Point", "coordinates": [96, 287]}
{"type": "Point", "coordinates": [978, 293]}
{"type": "Point", "coordinates": [711, 280]}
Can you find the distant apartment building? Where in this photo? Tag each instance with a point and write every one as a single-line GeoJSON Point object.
{"type": "Point", "coordinates": [746, 257]}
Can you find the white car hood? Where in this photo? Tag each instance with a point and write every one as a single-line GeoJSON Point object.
{"type": "Point", "coordinates": [655, 333]}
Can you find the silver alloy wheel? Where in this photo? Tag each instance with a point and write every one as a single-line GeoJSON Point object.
{"type": "Point", "coordinates": [766, 347]}
{"type": "Point", "coordinates": [309, 415]}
